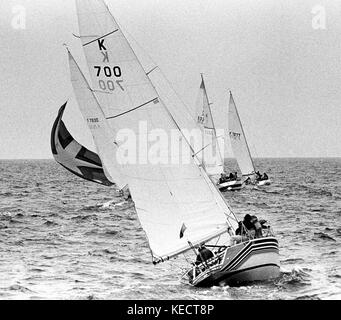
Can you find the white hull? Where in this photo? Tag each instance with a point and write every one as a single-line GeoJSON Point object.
{"type": "Point", "coordinates": [254, 260]}
{"type": "Point", "coordinates": [230, 185]}
{"type": "Point", "coordinates": [264, 182]}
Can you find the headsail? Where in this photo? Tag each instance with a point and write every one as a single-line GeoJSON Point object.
{"type": "Point", "coordinates": [102, 134]}
{"type": "Point", "coordinates": [73, 156]}
{"type": "Point", "coordinates": [167, 193]}
{"type": "Point", "coordinates": [238, 141]}
{"type": "Point", "coordinates": [210, 154]}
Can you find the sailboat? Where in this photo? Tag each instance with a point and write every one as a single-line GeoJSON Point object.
{"type": "Point", "coordinates": [210, 153]}
{"type": "Point", "coordinates": [178, 206]}
{"type": "Point", "coordinates": [240, 147]}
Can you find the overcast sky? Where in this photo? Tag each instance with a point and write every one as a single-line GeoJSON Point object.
{"type": "Point", "coordinates": [280, 58]}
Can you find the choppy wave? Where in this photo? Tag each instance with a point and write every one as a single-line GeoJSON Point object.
{"type": "Point", "coordinates": [64, 238]}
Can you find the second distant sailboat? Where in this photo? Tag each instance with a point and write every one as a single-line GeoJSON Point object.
{"type": "Point", "coordinates": [241, 149]}
{"type": "Point", "coordinates": [210, 153]}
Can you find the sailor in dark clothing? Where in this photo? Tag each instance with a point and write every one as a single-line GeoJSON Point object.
{"type": "Point", "coordinates": [257, 227]}
{"type": "Point", "coordinates": [231, 176]}
{"type": "Point", "coordinates": [265, 176]}
{"type": "Point", "coordinates": [223, 178]}
{"type": "Point", "coordinates": [235, 176]}
{"type": "Point", "coordinates": [239, 230]}
{"type": "Point", "coordinates": [204, 254]}
{"type": "Point", "coordinates": [248, 180]}
{"type": "Point", "coordinates": [259, 176]}
{"type": "Point", "coordinates": [247, 222]}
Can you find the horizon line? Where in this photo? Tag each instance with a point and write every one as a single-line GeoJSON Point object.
{"type": "Point", "coordinates": [266, 157]}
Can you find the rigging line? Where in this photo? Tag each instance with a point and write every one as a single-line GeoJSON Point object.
{"type": "Point", "coordinates": [85, 44]}
{"type": "Point", "coordinates": [202, 149]}
{"type": "Point", "coordinates": [121, 114]}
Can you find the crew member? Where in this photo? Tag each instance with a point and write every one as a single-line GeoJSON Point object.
{"type": "Point", "coordinates": [204, 254]}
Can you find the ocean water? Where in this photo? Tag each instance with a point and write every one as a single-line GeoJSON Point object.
{"type": "Point", "coordinates": [58, 241]}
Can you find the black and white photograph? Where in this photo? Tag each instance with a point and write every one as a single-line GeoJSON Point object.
{"type": "Point", "coordinates": [170, 150]}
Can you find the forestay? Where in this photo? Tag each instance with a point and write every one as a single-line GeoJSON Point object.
{"type": "Point", "coordinates": [170, 195]}
{"type": "Point", "coordinates": [210, 154]}
{"type": "Point", "coordinates": [238, 141]}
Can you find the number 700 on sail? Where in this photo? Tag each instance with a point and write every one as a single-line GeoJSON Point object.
{"type": "Point", "coordinates": [109, 72]}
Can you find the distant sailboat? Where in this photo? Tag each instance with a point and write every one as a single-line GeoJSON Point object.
{"type": "Point", "coordinates": [177, 204]}
{"type": "Point", "coordinates": [210, 153]}
{"type": "Point", "coordinates": [240, 147]}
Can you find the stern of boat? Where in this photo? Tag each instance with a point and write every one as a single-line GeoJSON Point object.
{"type": "Point", "coordinates": [249, 261]}
{"type": "Point", "coordinates": [230, 185]}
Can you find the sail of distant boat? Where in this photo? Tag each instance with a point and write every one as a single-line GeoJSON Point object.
{"type": "Point", "coordinates": [168, 195]}
{"type": "Point", "coordinates": [210, 153]}
{"type": "Point", "coordinates": [238, 141]}
{"type": "Point", "coordinates": [73, 156]}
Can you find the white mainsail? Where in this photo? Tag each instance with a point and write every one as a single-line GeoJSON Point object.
{"type": "Point", "coordinates": [176, 202]}
{"type": "Point", "coordinates": [238, 141]}
{"type": "Point", "coordinates": [210, 154]}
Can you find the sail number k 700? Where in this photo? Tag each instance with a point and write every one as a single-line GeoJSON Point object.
{"type": "Point", "coordinates": [109, 72]}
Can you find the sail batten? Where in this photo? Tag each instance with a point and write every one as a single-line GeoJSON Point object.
{"type": "Point", "coordinates": [99, 38]}
{"type": "Point", "coordinates": [133, 109]}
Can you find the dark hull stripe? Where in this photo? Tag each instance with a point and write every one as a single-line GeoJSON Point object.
{"type": "Point", "coordinates": [272, 242]}
{"type": "Point", "coordinates": [231, 270]}
{"type": "Point", "coordinates": [250, 253]}
{"type": "Point", "coordinates": [227, 276]}
{"type": "Point", "coordinates": [231, 273]}
{"type": "Point", "coordinates": [244, 253]}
